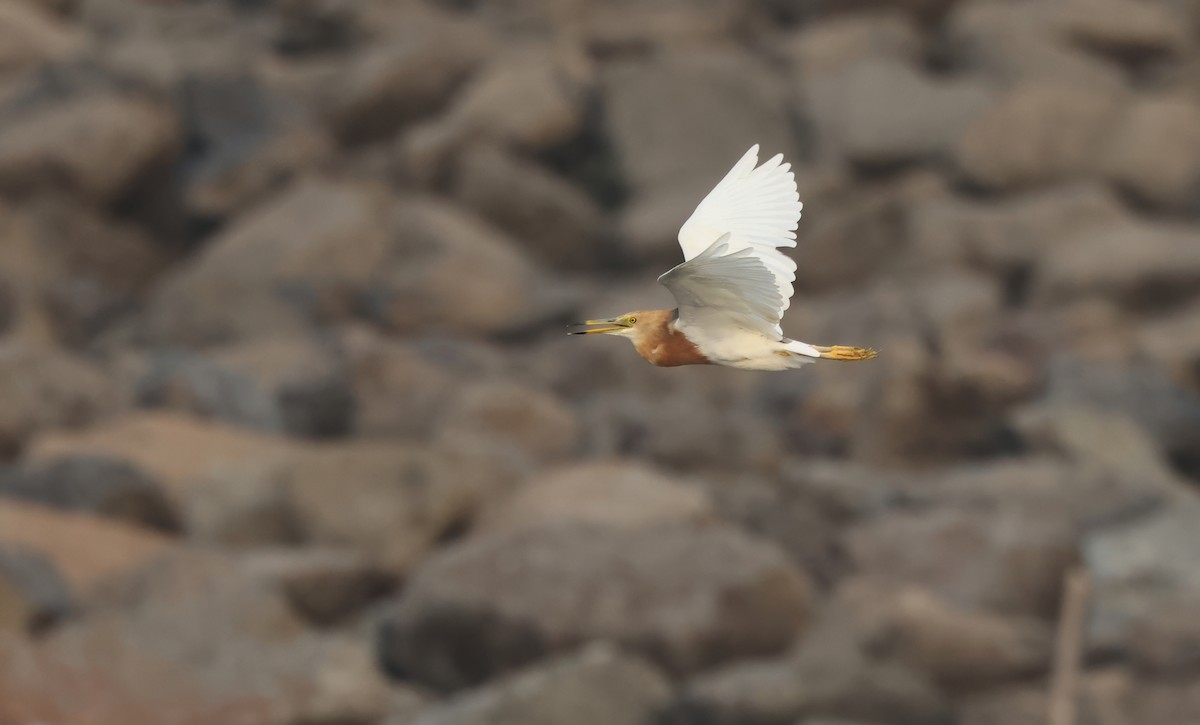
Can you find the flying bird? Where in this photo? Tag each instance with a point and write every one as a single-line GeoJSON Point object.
{"type": "Point", "coordinates": [734, 284]}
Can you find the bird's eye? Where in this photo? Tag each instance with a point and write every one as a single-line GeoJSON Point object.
{"type": "Point", "coordinates": [633, 320]}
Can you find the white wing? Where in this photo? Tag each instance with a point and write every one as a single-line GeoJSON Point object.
{"type": "Point", "coordinates": [731, 242]}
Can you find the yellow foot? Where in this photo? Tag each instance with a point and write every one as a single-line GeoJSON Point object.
{"type": "Point", "coordinates": [841, 352]}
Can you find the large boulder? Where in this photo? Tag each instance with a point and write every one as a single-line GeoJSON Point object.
{"type": "Point", "coordinates": [1154, 151]}
{"type": "Point", "coordinates": [33, 594]}
{"type": "Point", "coordinates": [597, 686]}
{"type": "Point", "coordinates": [686, 597]}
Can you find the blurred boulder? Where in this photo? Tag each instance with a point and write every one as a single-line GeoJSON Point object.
{"type": "Point", "coordinates": [542, 212]}
{"type": "Point", "coordinates": [1009, 236]}
{"type": "Point", "coordinates": [831, 44]}
{"type": "Point", "coordinates": [1006, 561]}
{"type": "Point", "coordinates": [1173, 343]}
{"type": "Point", "coordinates": [1123, 29]}
{"type": "Point", "coordinates": [609, 494]}
{"type": "Point", "coordinates": [1142, 265]}
{"type": "Point", "coordinates": [1014, 42]}
{"type": "Point", "coordinates": [413, 75]}
{"type": "Point", "coordinates": [962, 649]}
{"type": "Point", "coordinates": [31, 36]}
{"type": "Point", "coordinates": [299, 257]}
{"type": "Point", "coordinates": [397, 390]}
{"type": "Point", "coordinates": [529, 420]}
{"type": "Point", "coordinates": [233, 634]}
{"type": "Point", "coordinates": [391, 503]}
{"type": "Point", "coordinates": [201, 387]}
{"type": "Point", "coordinates": [308, 384]}
{"type": "Point", "coordinates": [33, 595]}
{"type": "Point", "coordinates": [241, 502]}
{"type": "Point", "coordinates": [530, 98]}
{"type": "Point", "coordinates": [44, 389]}
{"type": "Point", "coordinates": [881, 114]}
{"type": "Point", "coordinates": [1144, 576]}
{"type": "Point", "coordinates": [1036, 134]}
{"type": "Point", "coordinates": [324, 586]}
{"type": "Point", "coordinates": [825, 676]}
{"type": "Point", "coordinates": [1091, 437]}
{"type": "Point", "coordinates": [459, 274]}
{"type": "Point", "coordinates": [86, 550]}
{"type": "Point", "coordinates": [1154, 151]}
{"type": "Point", "coordinates": [686, 597]}
{"type": "Point", "coordinates": [1170, 415]}
{"type": "Point", "coordinates": [247, 138]}
{"type": "Point", "coordinates": [97, 146]}
{"type": "Point", "coordinates": [679, 122]}
{"type": "Point", "coordinates": [94, 484]}
{"type": "Point", "coordinates": [596, 686]}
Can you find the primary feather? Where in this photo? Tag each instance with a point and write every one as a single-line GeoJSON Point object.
{"type": "Point", "coordinates": [733, 266]}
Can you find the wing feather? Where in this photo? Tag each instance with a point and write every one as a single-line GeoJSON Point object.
{"type": "Point", "coordinates": [744, 220]}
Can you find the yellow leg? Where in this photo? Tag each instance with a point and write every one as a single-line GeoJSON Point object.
{"type": "Point", "coordinates": [841, 352]}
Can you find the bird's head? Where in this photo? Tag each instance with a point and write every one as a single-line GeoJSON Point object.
{"type": "Point", "coordinates": [631, 325]}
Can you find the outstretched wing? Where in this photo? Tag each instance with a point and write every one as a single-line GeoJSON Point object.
{"type": "Point", "coordinates": [730, 285]}
{"type": "Point", "coordinates": [731, 243]}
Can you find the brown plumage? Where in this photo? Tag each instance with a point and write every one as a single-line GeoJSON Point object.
{"type": "Point", "coordinates": [657, 340]}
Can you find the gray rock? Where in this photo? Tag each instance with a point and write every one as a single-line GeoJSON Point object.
{"type": "Point", "coordinates": [1014, 42]}
{"type": "Point", "coordinates": [33, 595]}
{"type": "Point", "coordinates": [1141, 265]}
{"type": "Point", "coordinates": [97, 485]}
{"type": "Point", "coordinates": [881, 114]}
{"type": "Point", "coordinates": [1038, 134]}
{"type": "Point", "coordinates": [831, 44]}
{"type": "Point", "coordinates": [395, 83]}
{"type": "Point", "coordinates": [202, 387]}
{"type": "Point", "coordinates": [597, 686]}
{"type": "Point", "coordinates": [1145, 575]}
{"type": "Point", "coordinates": [688, 598]}
{"type": "Point", "coordinates": [1125, 30]}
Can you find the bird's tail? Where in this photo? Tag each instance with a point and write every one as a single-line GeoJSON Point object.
{"type": "Point", "coordinates": [830, 352]}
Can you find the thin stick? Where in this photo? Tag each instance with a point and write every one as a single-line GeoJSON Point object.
{"type": "Point", "coordinates": [1068, 651]}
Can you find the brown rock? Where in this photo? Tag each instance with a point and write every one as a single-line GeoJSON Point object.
{"type": "Point", "coordinates": [597, 686]}
{"type": "Point", "coordinates": [831, 44]}
{"type": "Point", "coordinates": [1173, 343]}
{"type": "Point", "coordinates": [1124, 29]}
{"type": "Point", "coordinates": [389, 502]}
{"type": "Point", "coordinates": [1091, 437]}
{"type": "Point", "coordinates": [303, 255]}
{"type": "Point", "coordinates": [441, 247]}
{"type": "Point", "coordinates": [1036, 134]}
{"type": "Point", "coordinates": [44, 389]}
{"type": "Point", "coordinates": [825, 676]}
{"type": "Point", "coordinates": [686, 597]}
{"type": "Point", "coordinates": [545, 214]}
{"type": "Point", "coordinates": [30, 37]}
{"type": "Point", "coordinates": [1154, 150]}
{"type": "Point", "coordinates": [94, 145]}
{"type": "Point", "coordinates": [533, 422]}
{"type": "Point", "coordinates": [175, 449]}
{"type": "Point", "coordinates": [965, 649]}
{"type": "Point", "coordinates": [609, 494]}
{"type": "Point", "coordinates": [1006, 561]}
{"type": "Point", "coordinates": [325, 586]}
{"type": "Point", "coordinates": [86, 550]}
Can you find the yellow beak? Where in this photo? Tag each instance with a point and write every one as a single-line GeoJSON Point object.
{"type": "Point", "coordinates": [603, 326]}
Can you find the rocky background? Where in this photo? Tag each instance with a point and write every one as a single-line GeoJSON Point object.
{"type": "Point", "coordinates": [291, 433]}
